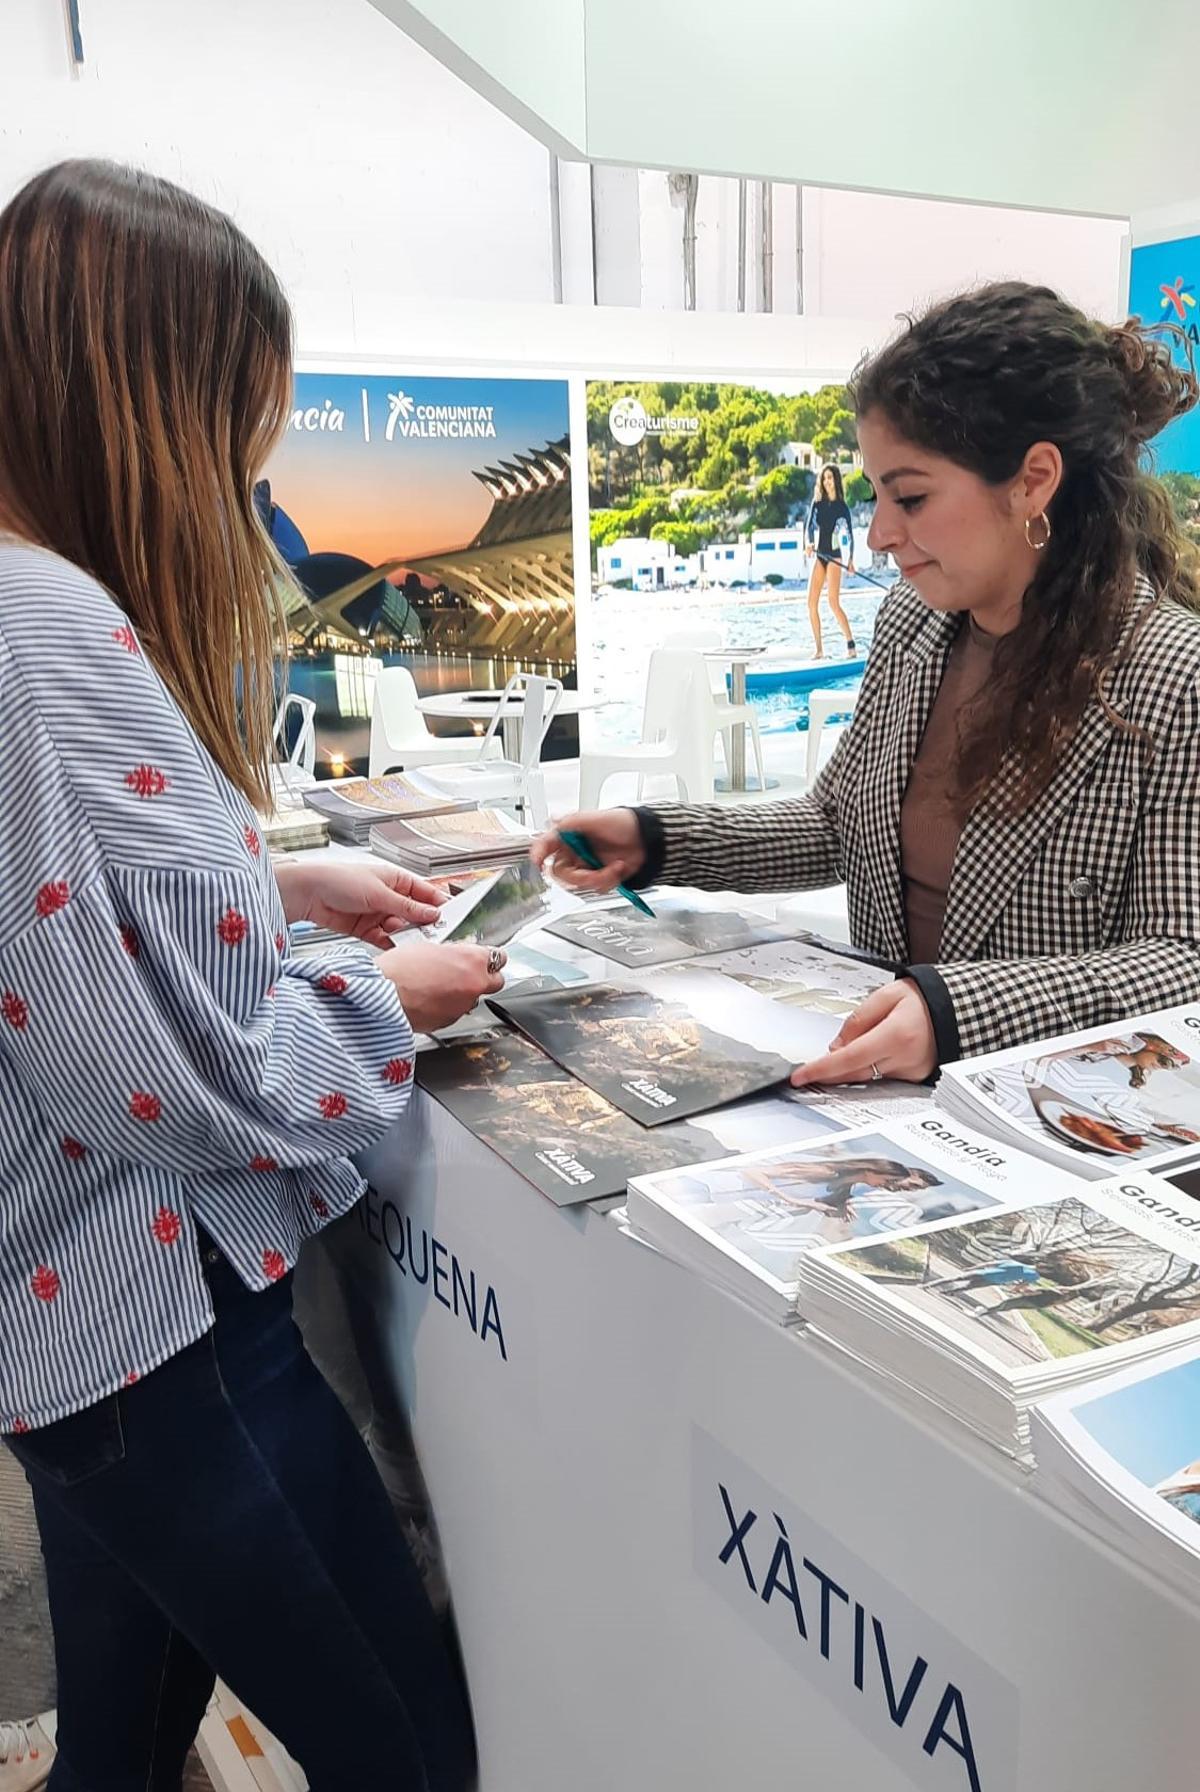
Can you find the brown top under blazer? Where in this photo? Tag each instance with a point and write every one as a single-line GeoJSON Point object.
{"type": "Point", "coordinates": [1081, 911]}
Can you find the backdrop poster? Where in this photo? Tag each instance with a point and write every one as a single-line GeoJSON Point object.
{"type": "Point", "coordinates": [700, 498]}
{"type": "Point", "coordinates": [427, 521]}
{"type": "Point", "coordinates": [1164, 287]}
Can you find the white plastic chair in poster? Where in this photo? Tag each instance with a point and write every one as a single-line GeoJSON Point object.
{"type": "Point", "coordinates": [679, 723]}
{"type": "Point", "coordinates": [514, 783]}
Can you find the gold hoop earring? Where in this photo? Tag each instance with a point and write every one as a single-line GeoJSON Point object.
{"type": "Point", "coordinates": [1044, 520]}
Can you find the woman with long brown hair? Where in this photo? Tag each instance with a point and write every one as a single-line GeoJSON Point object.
{"type": "Point", "coordinates": [180, 1094]}
{"type": "Point", "coordinates": [1015, 808]}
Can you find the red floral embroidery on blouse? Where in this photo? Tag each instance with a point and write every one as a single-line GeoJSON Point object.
{"type": "Point", "coordinates": [320, 1206]}
{"type": "Point", "coordinates": [144, 1107]}
{"type": "Point", "coordinates": [264, 1163]}
{"type": "Point", "coordinates": [274, 1265]}
{"type": "Point", "coordinates": [232, 927]}
{"type": "Point", "coordinates": [253, 843]}
{"type": "Point", "coordinates": [125, 637]}
{"type": "Point", "coordinates": [280, 942]}
{"type": "Point", "coordinates": [130, 941]}
{"type": "Point", "coordinates": [15, 1010]}
{"type": "Point", "coordinates": [147, 780]}
{"type": "Point", "coordinates": [333, 985]}
{"type": "Point", "coordinates": [167, 1226]}
{"type": "Point", "coordinates": [20, 1427]}
{"type": "Point", "coordinates": [73, 1149]}
{"type": "Point", "coordinates": [51, 897]}
{"type": "Point", "coordinates": [396, 1070]}
{"type": "Point", "coordinates": [45, 1283]}
{"type": "Point", "coordinates": [132, 1378]}
{"type": "Point", "coordinates": [333, 1106]}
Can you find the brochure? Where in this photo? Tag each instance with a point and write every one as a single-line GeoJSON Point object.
{"type": "Point", "coordinates": [1124, 1455]}
{"type": "Point", "coordinates": [991, 1313]}
{"type": "Point", "coordinates": [676, 931]}
{"type": "Point", "coordinates": [564, 1138]}
{"type": "Point", "coordinates": [1090, 1100]}
{"type": "Point", "coordinates": [748, 1221]}
{"type": "Point", "coordinates": [674, 1043]}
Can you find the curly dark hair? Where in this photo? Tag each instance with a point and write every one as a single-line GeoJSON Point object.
{"type": "Point", "coordinates": [979, 379]}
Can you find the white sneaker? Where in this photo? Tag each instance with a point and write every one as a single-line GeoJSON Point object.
{"type": "Point", "coordinates": [26, 1753]}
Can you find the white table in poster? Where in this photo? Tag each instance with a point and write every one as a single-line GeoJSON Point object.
{"type": "Point", "coordinates": [691, 1550]}
{"type": "Point", "coordinates": [481, 706]}
{"type": "Point", "coordinates": [737, 659]}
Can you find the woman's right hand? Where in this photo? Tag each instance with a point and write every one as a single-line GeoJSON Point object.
{"type": "Point", "coordinates": [615, 837]}
{"type": "Point", "coordinates": [439, 984]}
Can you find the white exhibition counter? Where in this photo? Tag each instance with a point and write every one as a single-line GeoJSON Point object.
{"type": "Point", "coordinates": [689, 1550]}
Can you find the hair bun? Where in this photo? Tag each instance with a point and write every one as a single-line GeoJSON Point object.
{"type": "Point", "coordinates": [1159, 387]}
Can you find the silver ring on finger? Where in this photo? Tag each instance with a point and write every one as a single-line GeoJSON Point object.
{"type": "Point", "coordinates": [876, 1074]}
{"type": "Point", "coordinates": [496, 961]}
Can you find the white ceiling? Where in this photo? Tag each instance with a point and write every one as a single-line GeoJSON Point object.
{"type": "Point", "coordinates": [1071, 105]}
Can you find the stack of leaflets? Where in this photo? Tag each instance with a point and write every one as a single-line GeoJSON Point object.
{"type": "Point", "coordinates": [568, 1141]}
{"type": "Point", "coordinates": [440, 844]}
{"type": "Point", "coordinates": [987, 1315]}
{"type": "Point", "coordinates": [293, 830]}
{"type": "Point", "coordinates": [1090, 1101]}
{"type": "Point", "coordinates": [1123, 1455]}
{"type": "Point", "coordinates": [749, 1223]}
{"type": "Point", "coordinates": [353, 806]}
{"type": "Point", "coordinates": [670, 1043]}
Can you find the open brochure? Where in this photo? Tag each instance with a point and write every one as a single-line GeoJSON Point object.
{"type": "Point", "coordinates": [749, 1222]}
{"type": "Point", "coordinates": [1126, 1093]}
{"type": "Point", "coordinates": [991, 1313]}
{"type": "Point", "coordinates": [672, 1043]}
{"type": "Point", "coordinates": [1124, 1455]}
{"type": "Point", "coordinates": [802, 975]}
{"type": "Point", "coordinates": [568, 1141]}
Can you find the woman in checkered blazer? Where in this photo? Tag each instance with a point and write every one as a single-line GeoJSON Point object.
{"type": "Point", "coordinates": [1015, 808]}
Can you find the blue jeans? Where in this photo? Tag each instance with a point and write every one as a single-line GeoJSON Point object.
{"type": "Point", "coordinates": [223, 1516]}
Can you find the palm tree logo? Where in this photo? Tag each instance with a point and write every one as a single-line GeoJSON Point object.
{"type": "Point", "coordinates": [400, 405]}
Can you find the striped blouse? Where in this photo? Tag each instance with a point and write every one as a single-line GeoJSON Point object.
{"type": "Point", "coordinates": [164, 1061]}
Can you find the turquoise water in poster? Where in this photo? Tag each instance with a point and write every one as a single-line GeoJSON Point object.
{"type": "Point", "coordinates": [1164, 287]}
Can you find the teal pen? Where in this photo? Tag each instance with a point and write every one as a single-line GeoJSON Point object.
{"type": "Point", "coordinates": [581, 847]}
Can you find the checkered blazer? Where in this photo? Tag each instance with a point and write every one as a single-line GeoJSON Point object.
{"type": "Point", "coordinates": [1081, 911]}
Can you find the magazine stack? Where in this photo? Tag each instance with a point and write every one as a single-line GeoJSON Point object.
{"type": "Point", "coordinates": [986, 1315]}
{"type": "Point", "coordinates": [749, 1223]}
{"type": "Point", "coordinates": [353, 806]}
{"type": "Point", "coordinates": [1090, 1101]}
{"type": "Point", "coordinates": [293, 830]}
{"type": "Point", "coordinates": [440, 844]}
{"type": "Point", "coordinates": [1123, 1456]}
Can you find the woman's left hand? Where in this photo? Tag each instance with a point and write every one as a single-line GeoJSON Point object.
{"type": "Point", "coordinates": [890, 1034]}
{"type": "Point", "coordinates": [369, 904]}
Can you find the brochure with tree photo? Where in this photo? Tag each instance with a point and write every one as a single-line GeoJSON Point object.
{"type": "Point", "coordinates": [564, 1138]}
{"type": "Point", "coordinates": [994, 1312]}
{"type": "Point", "coordinates": [673, 1044]}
